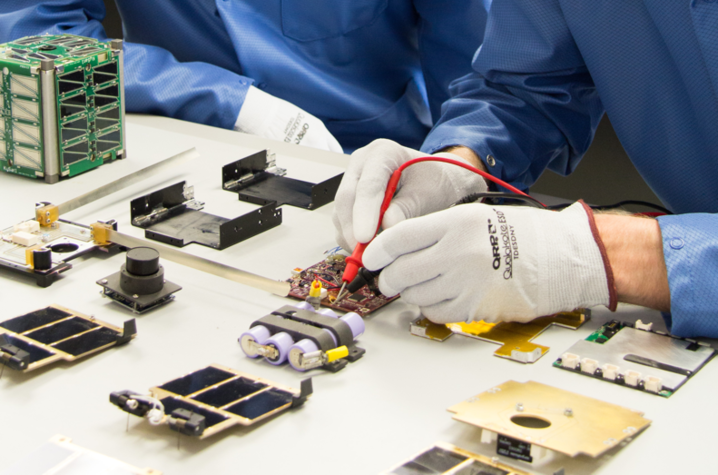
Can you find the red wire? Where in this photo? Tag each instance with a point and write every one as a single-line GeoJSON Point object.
{"type": "Point", "coordinates": [465, 165]}
{"type": "Point", "coordinates": [354, 261]}
{"type": "Point", "coordinates": [330, 284]}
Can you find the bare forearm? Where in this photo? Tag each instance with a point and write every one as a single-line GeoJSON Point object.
{"type": "Point", "coordinates": [635, 251]}
{"type": "Point", "coordinates": [468, 155]}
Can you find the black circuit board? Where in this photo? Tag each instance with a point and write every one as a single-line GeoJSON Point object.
{"type": "Point", "coordinates": [329, 273]}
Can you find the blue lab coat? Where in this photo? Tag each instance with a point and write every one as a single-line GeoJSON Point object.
{"type": "Point", "coordinates": [544, 77]}
{"type": "Point", "coordinates": [367, 68]}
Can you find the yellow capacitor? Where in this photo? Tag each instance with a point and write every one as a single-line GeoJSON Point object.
{"type": "Point", "coordinates": [316, 289]}
{"type": "Point", "coordinates": [30, 257]}
{"type": "Point", "coordinates": [337, 353]}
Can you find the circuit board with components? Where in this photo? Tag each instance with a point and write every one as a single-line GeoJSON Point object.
{"type": "Point", "coordinates": [61, 105]}
{"type": "Point", "coordinates": [329, 273]}
{"type": "Point", "coordinates": [22, 246]}
{"type": "Point", "coordinates": [635, 356]}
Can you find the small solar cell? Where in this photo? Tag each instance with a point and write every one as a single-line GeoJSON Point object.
{"type": "Point", "coordinates": [434, 461]}
{"type": "Point", "coordinates": [261, 404]}
{"type": "Point", "coordinates": [229, 392]}
{"type": "Point", "coordinates": [87, 342]}
{"type": "Point", "coordinates": [196, 381]}
{"type": "Point", "coordinates": [480, 468]}
{"type": "Point", "coordinates": [61, 330]}
{"type": "Point", "coordinates": [34, 319]}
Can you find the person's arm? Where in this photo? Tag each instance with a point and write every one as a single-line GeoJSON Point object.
{"type": "Point", "coordinates": [448, 39]}
{"type": "Point", "coordinates": [530, 102]}
{"type": "Point", "coordinates": [635, 251]}
{"type": "Point", "coordinates": [155, 82]}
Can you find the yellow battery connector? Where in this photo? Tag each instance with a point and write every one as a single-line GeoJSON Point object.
{"type": "Point", "coordinates": [337, 353]}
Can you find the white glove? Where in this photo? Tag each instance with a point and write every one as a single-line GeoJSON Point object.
{"type": "Point", "coordinates": [424, 188]}
{"type": "Point", "coordinates": [492, 263]}
{"type": "Point", "coordinates": [270, 117]}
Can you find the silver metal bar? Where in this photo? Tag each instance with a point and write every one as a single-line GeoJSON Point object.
{"type": "Point", "coordinates": [126, 181]}
{"type": "Point", "coordinates": [116, 45]}
{"type": "Point", "coordinates": [51, 153]}
{"type": "Point", "coordinates": [205, 265]}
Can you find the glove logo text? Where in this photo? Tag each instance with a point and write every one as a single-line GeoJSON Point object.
{"type": "Point", "coordinates": [292, 127]}
{"type": "Point", "coordinates": [494, 246]}
{"type": "Point", "coordinates": [509, 246]}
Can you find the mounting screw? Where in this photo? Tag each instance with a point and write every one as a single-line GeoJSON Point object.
{"type": "Point", "coordinates": [103, 281]}
{"type": "Point", "coordinates": [519, 407]}
{"type": "Point", "coordinates": [568, 412]}
{"type": "Point", "coordinates": [135, 296]}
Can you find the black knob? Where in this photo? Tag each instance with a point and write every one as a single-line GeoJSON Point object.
{"type": "Point", "coordinates": [142, 261]}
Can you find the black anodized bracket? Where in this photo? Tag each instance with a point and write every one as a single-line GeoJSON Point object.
{"type": "Point", "coordinates": [173, 217]}
{"type": "Point", "coordinates": [252, 181]}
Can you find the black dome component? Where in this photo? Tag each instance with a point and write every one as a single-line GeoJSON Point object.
{"type": "Point", "coordinates": [140, 284]}
{"type": "Point", "coordinates": [142, 261]}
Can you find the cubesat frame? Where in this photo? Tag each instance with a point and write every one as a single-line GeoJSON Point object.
{"type": "Point", "coordinates": [62, 105]}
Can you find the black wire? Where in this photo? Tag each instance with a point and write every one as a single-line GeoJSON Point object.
{"type": "Point", "coordinates": [616, 206]}
{"type": "Point", "coordinates": [499, 195]}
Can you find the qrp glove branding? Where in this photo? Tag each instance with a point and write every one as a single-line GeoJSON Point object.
{"type": "Point", "coordinates": [292, 127]}
{"type": "Point", "coordinates": [504, 245]}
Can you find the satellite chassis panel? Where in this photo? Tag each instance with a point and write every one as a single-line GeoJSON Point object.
{"type": "Point", "coordinates": [61, 105]}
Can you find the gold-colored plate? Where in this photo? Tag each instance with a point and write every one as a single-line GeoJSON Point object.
{"type": "Point", "coordinates": [514, 338]}
{"type": "Point", "coordinates": [473, 463]}
{"type": "Point", "coordinates": [577, 424]}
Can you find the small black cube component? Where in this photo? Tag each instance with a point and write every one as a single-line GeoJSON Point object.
{"type": "Point", "coordinates": [140, 284]}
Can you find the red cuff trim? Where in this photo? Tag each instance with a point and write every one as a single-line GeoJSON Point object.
{"type": "Point", "coordinates": [612, 295]}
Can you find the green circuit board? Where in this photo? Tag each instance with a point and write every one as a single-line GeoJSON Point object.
{"type": "Point", "coordinates": [73, 118]}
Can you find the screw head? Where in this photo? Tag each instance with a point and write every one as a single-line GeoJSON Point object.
{"type": "Point", "coordinates": [568, 412]}
{"type": "Point", "coordinates": [519, 407]}
{"type": "Point", "coordinates": [103, 281]}
{"type": "Point", "coordinates": [135, 296]}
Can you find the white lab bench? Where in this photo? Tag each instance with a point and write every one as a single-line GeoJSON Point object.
{"type": "Point", "coordinates": [378, 411]}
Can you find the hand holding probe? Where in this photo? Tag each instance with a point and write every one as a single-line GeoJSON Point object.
{"type": "Point", "coordinates": [354, 262]}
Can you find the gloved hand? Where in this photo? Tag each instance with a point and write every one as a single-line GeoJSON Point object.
{"type": "Point", "coordinates": [270, 117]}
{"type": "Point", "coordinates": [493, 263]}
{"type": "Point", "coordinates": [424, 188]}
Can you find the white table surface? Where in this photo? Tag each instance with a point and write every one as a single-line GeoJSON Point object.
{"type": "Point", "coordinates": [375, 413]}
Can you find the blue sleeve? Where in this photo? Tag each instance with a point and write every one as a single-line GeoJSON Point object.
{"type": "Point", "coordinates": [155, 82]}
{"type": "Point", "coordinates": [690, 250]}
{"type": "Point", "coordinates": [448, 39]}
{"type": "Point", "coordinates": [530, 102]}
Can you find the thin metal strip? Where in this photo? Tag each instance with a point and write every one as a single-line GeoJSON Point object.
{"type": "Point", "coordinates": [126, 181]}
{"type": "Point", "coordinates": [205, 265]}
{"type": "Point", "coordinates": [51, 158]}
